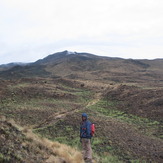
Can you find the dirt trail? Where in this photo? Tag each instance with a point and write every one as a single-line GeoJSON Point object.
{"type": "Point", "coordinates": [116, 133]}
{"type": "Point", "coordinates": [127, 138]}
{"type": "Point", "coordinates": [54, 118]}
{"type": "Point", "coordinates": [96, 99]}
{"type": "Point", "coordinates": [128, 143]}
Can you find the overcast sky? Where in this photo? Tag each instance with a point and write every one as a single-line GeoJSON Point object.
{"type": "Point", "coordinates": [33, 29]}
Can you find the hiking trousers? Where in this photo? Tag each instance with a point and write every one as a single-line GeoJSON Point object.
{"type": "Point", "coordinates": [86, 149]}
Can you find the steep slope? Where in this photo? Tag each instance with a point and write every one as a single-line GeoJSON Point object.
{"type": "Point", "coordinates": [21, 145]}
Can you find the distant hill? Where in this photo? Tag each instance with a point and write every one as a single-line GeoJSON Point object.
{"type": "Point", "coordinates": [87, 66]}
{"type": "Point", "coordinates": [11, 65]}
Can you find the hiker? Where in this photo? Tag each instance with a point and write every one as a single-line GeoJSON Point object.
{"type": "Point", "coordinates": [85, 138]}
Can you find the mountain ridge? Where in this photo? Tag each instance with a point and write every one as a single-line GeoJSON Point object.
{"type": "Point", "coordinates": [66, 53]}
{"type": "Point", "coordinates": [87, 66]}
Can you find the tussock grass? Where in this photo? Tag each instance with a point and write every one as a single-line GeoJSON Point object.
{"type": "Point", "coordinates": [55, 152]}
{"type": "Point", "coordinates": [69, 154]}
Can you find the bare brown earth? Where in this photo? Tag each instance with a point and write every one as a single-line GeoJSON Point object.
{"type": "Point", "coordinates": [146, 103]}
{"type": "Point", "coordinates": [122, 135]}
{"type": "Point", "coordinates": [128, 141]}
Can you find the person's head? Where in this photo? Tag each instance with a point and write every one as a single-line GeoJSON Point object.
{"type": "Point", "coordinates": [84, 116]}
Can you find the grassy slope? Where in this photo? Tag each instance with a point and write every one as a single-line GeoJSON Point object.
{"type": "Point", "coordinates": [53, 109]}
{"type": "Point", "coordinates": [21, 145]}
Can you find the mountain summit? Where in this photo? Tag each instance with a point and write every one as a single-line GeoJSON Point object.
{"type": "Point", "coordinates": [88, 66]}
{"type": "Point", "coordinates": [62, 55]}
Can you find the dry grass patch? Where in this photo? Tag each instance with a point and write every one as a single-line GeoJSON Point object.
{"type": "Point", "coordinates": [31, 147]}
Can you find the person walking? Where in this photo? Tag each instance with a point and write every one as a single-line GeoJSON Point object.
{"type": "Point", "coordinates": [85, 137]}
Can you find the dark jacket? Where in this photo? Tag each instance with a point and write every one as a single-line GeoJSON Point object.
{"type": "Point", "coordinates": [85, 129]}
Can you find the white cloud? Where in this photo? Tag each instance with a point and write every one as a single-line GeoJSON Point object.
{"type": "Point", "coordinates": [31, 29]}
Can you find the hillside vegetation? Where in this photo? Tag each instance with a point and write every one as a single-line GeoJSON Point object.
{"type": "Point", "coordinates": [122, 97]}
{"type": "Point", "coordinates": [52, 108]}
{"type": "Point", "coordinates": [92, 67]}
{"type": "Point", "coordinates": [21, 145]}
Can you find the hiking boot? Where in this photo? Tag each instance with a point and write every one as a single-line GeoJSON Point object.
{"type": "Point", "coordinates": [87, 160]}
